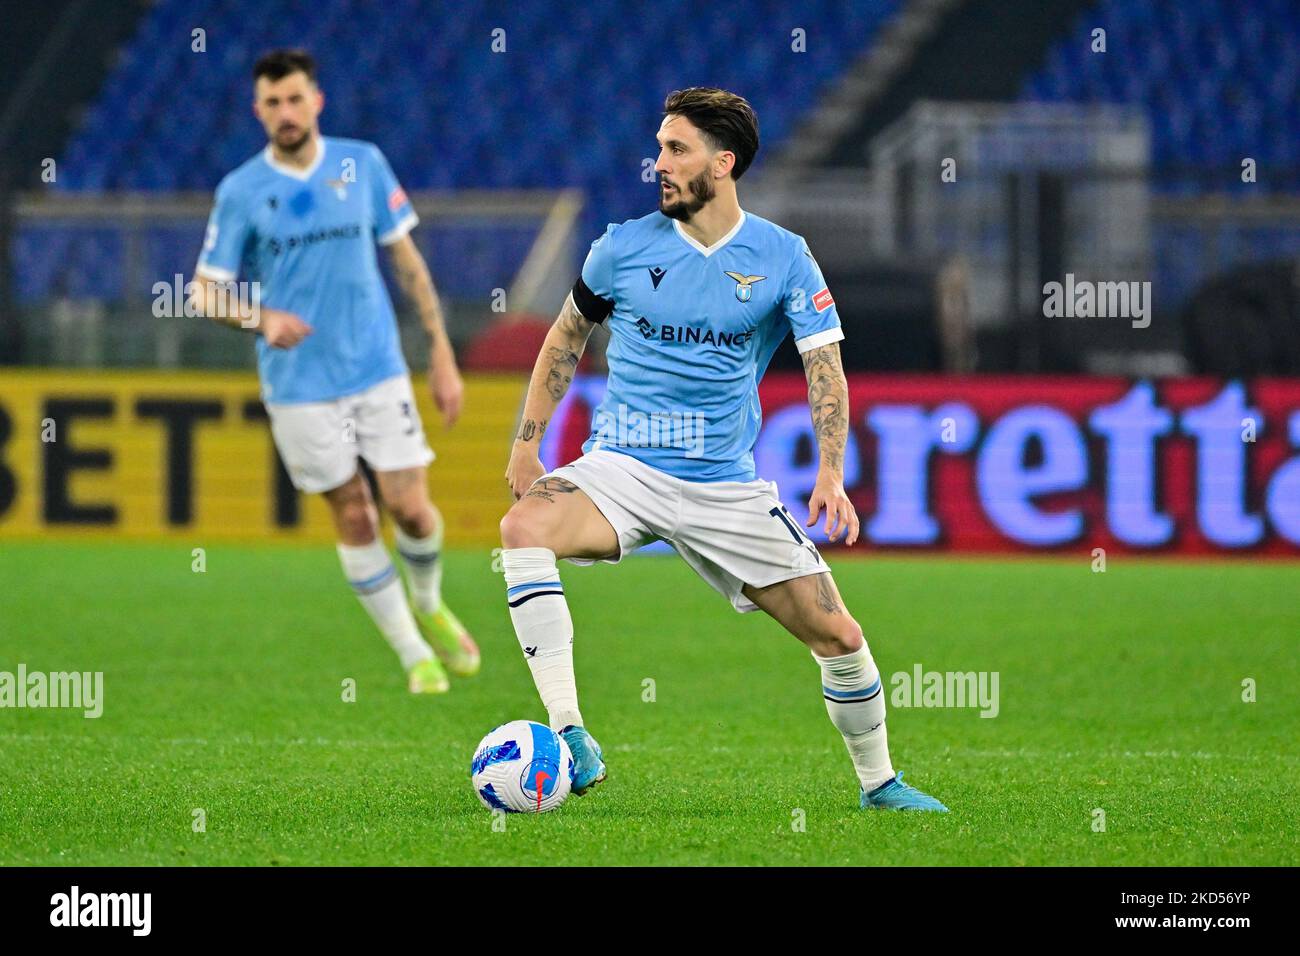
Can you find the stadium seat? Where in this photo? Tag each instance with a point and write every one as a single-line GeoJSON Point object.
{"type": "Point", "coordinates": [1217, 78]}
{"type": "Point", "coordinates": [572, 102]}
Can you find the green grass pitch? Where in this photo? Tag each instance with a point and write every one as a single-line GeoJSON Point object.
{"type": "Point", "coordinates": [1119, 691]}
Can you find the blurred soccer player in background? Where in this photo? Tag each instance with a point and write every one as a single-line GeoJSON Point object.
{"type": "Point", "coordinates": [697, 296]}
{"type": "Point", "coordinates": [302, 219]}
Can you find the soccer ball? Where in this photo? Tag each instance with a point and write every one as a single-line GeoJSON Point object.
{"type": "Point", "coordinates": [522, 767]}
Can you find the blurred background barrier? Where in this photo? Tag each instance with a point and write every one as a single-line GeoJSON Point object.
{"type": "Point", "coordinates": [1030, 463]}
{"type": "Point", "coordinates": [99, 272]}
{"type": "Point", "coordinates": [991, 463]}
{"type": "Point", "coordinates": [189, 455]}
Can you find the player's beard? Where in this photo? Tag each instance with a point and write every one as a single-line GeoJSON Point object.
{"type": "Point", "coordinates": [291, 145]}
{"type": "Point", "coordinates": [700, 190]}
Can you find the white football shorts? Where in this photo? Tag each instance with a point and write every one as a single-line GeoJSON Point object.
{"type": "Point", "coordinates": [732, 533]}
{"type": "Point", "coordinates": [320, 442]}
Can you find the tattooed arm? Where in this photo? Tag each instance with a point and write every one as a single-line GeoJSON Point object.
{"type": "Point", "coordinates": [413, 277]}
{"type": "Point", "coordinates": [552, 374]}
{"type": "Point", "coordinates": [828, 397]}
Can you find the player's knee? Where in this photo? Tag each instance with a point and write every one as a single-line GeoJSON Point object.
{"type": "Point", "coordinates": [521, 529]}
{"type": "Point", "coordinates": [355, 518]}
{"type": "Point", "coordinates": [357, 523]}
{"type": "Point", "coordinates": [839, 636]}
{"type": "Point", "coordinates": [527, 526]}
{"type": "Point", "coordinates": [413, 517]}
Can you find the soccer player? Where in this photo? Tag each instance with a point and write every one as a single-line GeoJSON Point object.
{"type": "Point", "coordinates": [302, 219]}
{"type": "Point", "coordinates": [696, 296]}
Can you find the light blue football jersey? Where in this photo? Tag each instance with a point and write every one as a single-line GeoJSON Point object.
{"type": "Point", "coordinates": [692, 330]}
{"type": "Point", "coordinates": [308, 237]}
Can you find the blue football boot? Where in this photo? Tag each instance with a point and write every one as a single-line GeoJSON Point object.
{"type": "Point", "coordinates": [893, 794]}
{"type": "Point", "coordinates": [588, 768]}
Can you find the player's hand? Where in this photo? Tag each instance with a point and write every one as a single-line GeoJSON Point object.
{"type": "Point", "coordinates": [446, 384]}
{"type": "Point", "coordinates": [525, 467]}
{"type": "Point", "coordinates": [840, 514]}
{"type": "Point", "coordinates": [282, 330]}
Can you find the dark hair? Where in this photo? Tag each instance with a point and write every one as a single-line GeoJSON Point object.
{"type": "Point", "coordinates": [726, 120]}
{"type": "Point", "coordinates": [277, 64]}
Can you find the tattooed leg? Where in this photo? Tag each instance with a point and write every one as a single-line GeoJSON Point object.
{"type": "Point", "coordinates": [547, 488]}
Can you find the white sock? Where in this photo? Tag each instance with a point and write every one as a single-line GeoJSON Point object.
{"type": "Point", "coordinates": [373, 576]}
{"type": "Point", "coordinates": [544, 628]}
{"type": "Point", "coordinates": [855, 700]}
{"type": "Point", "coordinates": [423, 568]}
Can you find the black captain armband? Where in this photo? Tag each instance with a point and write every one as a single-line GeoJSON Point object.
{"type": "Point", "coordinates": [594, 308]}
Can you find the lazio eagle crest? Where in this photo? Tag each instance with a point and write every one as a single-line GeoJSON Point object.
{"type": "Point", "coordinates": [743, 285]}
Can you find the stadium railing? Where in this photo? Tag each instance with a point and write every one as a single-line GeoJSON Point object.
{"type": "Point", "coordinates": [93, 272]}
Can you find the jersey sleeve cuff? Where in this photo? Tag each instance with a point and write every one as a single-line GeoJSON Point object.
{"type": "Point", "coordinates": [818, 339]}
{"type": "Point", "coordinates": [409, 222]}
{"type": "Point", "coordinates": [215, 273]}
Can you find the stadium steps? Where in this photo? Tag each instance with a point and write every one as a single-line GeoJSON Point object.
{"type": "Point", "coordinates": [55, 58]}
{"type": "Point", "coordinates": [861, 85]}
{"type": "Point", "coordinates": [981, 51]}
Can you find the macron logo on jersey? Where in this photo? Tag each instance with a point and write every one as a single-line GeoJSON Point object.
{"type": "Point", "coordinates": [822, 300]}
{"type": "Point", "coordinates": [397, 199]}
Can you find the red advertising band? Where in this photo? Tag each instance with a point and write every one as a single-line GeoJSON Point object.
{"type": "Point", "coordinates": [987, 464]}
